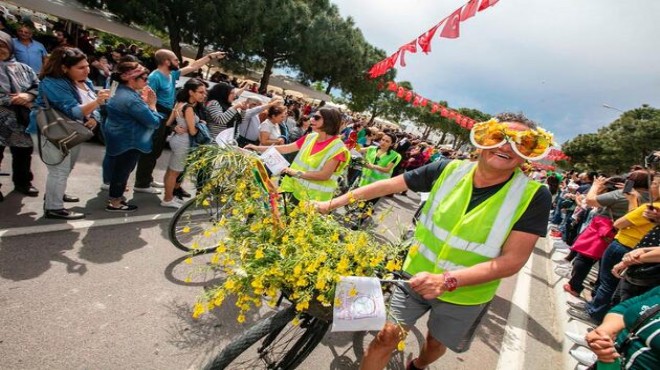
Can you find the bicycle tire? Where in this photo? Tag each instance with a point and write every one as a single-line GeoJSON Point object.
{"type": "Point", "coordinates": [199, 217]}
{"type": "Point", "coordinates": [272, 329]}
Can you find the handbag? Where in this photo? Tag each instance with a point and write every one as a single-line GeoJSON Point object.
{"type": "Point", "coordinates": [593, 241]}
{"type": "Point", "coordinates": [646, 274]}
{"type": "Point", "coordinates": [203, 135]}
{"type": "Point", "coordinates": [60, 130]}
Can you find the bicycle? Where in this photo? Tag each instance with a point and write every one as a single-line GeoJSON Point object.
{"type": "Point", "coordinates": [283, 346]}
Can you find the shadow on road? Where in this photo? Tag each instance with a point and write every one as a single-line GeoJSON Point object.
{"type": "Point", "coordinates": [97, 247]}
{"type": "Point", "coordinates": [21, 260]}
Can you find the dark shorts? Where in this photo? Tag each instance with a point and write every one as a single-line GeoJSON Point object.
{"type": "Point", "coordinates": [451, 324]}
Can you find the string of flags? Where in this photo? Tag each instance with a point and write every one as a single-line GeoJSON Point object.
{"type": "Point", "coordinates": [418, 100]}
{"type": "Point", "coordinates": [451, 30]}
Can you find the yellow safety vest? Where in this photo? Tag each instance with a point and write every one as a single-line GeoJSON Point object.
{"type": "Point", "coordinates": [303, 189]}
{"type": "Point", "coordinates": [450, 239]}
{"type": "Point", "coordinates": [370, 176]}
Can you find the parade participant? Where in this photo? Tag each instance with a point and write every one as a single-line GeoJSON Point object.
{"type": "Point", "coordinates": [132, 119]}
{"type": "Point", "coordinates": [163, 82]}
{"type": "Point", "coordinates": [321, 157]}
{"type": "Point", "coordinates": [65, 84]}
{"type": "Point", "coordinates": [480, 224]}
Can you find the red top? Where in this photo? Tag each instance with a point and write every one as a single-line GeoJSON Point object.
{"type": "Point", "coordinates": [320, 145]}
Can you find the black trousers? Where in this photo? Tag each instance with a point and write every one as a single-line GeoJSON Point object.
{"type": "Point", "coordinates": [21, 163]}
{"type": "Point", "coordinates": [581, 267]}
{"type": "Point", "coordinates": [120, 167]}
{"type": "Point", "coordinates": [147, 161]}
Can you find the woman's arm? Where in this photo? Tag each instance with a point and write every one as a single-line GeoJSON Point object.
{"type": "Point", "coordinates": [593, 192]}
{"type": "Point", "coordinates": [217, 115]}
{"type": "Point", "coordinates": [283, 149]}
{"type": "Point", "coordinates": [189, 115]}
{"type": "Point", "coordinates": [143, 114]}
{"type": "Point", "coordinates": [264, 139]}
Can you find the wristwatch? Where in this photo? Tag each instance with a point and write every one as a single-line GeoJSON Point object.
{"type": "Point", "coordinates": [450, 283]}
{"type": "Point", "coordinates": [299, 174]}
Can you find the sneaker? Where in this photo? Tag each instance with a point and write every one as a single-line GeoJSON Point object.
{"type": "Point", "coordinates": [582, 367]}
{"type": "Point", "coordinates": [172, 203]}
{"type": "Point", "coordinates": [584, 356]}
{"type": "Point", "coordinates": [568, 289]}
{"type": "Point", "coordinates": [124, 207]}
{"type": "Point", "coordinates": [581, 315]}
{"type": "Point", "coordinates": [580, 305]}
{"type": "Point", "coordinates": [105, 187]}
{"type": "Point", "coordinates": [156, 184]}
{"type": "Point", "coordinates": [180, 193]}
{"type": "Point", "coordinates": [555, 234]}
{"type": "Point", "coordinates": [150, 190]}
{"type": "Point", "coordinates": [563, 271]}
{"type": "Point", "coordinates": [576, 338]}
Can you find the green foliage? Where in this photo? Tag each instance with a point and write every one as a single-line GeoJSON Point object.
{"type": "Point", "coordinates": [621, 144]}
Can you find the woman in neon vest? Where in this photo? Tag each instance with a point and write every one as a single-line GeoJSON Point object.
{"type": "Point", "coordinates": [321, 157]}
{"type": "Point", "coordinates": [379, 163]}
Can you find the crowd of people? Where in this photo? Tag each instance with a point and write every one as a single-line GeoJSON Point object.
{"type": "Point", "coordinates": [607, 220]}
{"type": "Point", "coordinates": [612, 222]}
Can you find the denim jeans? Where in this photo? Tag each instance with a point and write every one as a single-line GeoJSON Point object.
{"type": "Point", "coordinates": [57, 174]}
{"type": "Point", "coordinates": [602, 298]}
{"type": "Point", "coordinates": [120, 167]}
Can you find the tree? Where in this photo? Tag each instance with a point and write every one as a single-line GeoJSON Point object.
{"type": "Point", "coordinates": [619, 145]}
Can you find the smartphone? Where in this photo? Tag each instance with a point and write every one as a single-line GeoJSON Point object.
{"type": "Point", "coordinates": [628, 186]}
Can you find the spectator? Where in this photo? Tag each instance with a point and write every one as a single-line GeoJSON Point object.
{"type": "Point", "coordinates": [62, 38]}
{"type": "Point", "coordinates": [99, 70]}
{"type": "Point", "coordinates": [64, 82]}
{"type": "Point", "coordinates": [193, 94]}
{"type": "Point", "coordinates": [248, 130]}
{"type": "Point", "coordinates": [269, 130]}
{"type": "Point", "coordinates": [27, 50]}
{"type": "Point", "coordinates": [222, 108]}
{"type": "Point", "coordinates": [18, 88]}
{"type": "Point", "coordinates": [163, 82]}
{"type": "Point", "coordinates": [132, 119]}
{"type": "Point", "coordinates": [301, 129]}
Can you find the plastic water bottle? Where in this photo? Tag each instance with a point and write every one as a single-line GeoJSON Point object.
{"type": "Point", "coordinates": [616, 365]}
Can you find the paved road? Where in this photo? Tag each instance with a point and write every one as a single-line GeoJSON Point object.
{"type": "Point", "coordinates": [108, 293]}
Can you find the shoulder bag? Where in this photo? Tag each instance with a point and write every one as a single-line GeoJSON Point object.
{"type": "Point", "coordinates": [61, 131]}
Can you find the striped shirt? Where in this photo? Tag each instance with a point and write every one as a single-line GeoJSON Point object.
{"type": "Point", "coordinates": [218, 118]}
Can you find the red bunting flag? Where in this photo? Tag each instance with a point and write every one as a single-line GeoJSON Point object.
{"type": "Point", "coordinates": [416, 101]}
{"type": "Point", "coordinates": [469, 10]}
{"type": "Point", "coordinates": [424, 102]}
{"type": "Point", "coordinates": [390, 61]}
{"type": "Point", "coordinates": [444, 112]}
{"type": "Point", "coordinates": [391, 86]}
{"type": "Point", "coordinates": [425, 39]}
{"type": "Point", "coordinates": [452, 27]}
{"type": "Point", "coordinates": [485, 4]}
{"type": "Point", "coordinates": [400, 92]}
{"type": "Point", "coordinates": [410, 47]}
{"type": "Point", "coordinates": [409, 96]}
{"type": "Point", "coordinates": [434, 107]}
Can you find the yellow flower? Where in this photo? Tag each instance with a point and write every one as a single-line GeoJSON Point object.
{"type": "Point", "coordinates": [188, 279]}
{"type": "Point", "coordinates": [215, 259]}
{"type": "Point", "coordinates": [391, 265]}
{"type": "Point", "coordinates": [413, 250]}
{"type": "Point", "coordinates": [206, 203]}
{"type": "Point", "coordinates": [285, 239]}
{"type": "Point", "coordinates": [342, 266]}
{"type": "Point", "coordinates": [353, 292]}
{"type": "Point", "coordinates": [401, 345]}
{"type": "Point", "coordinates": [297, 270]}
{"type": "Point", "coordinates": [337, 302]}
{"type": "Point", "coordinates": [188, 260]}
{"type": "Point", "coordinates": [241, 318]}
{"type": "Point", "coordinates": [230, 284]}
{"type": "Point", "coordinates": [234, 212]}
{"type": "Point", "coordinates": [207, 234]}
{"type": "Point", "coordinates": [221, 248]}
{"type": "Point", "coordinates": [186, 230]}
{"type": "Point", "coordinates": [198, 309]}
{"type": "Point", "coordinates": [259, 254]}
{"type": "Point", "coordinates": [334, 238]}
{"type": "Point", "coordinates": [295, 321]}
{"type": "Point", "coordinates": [301, 306]}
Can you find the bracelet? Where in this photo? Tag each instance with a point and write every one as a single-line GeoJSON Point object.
{"type": "Point", "coordinates": [450, 283]}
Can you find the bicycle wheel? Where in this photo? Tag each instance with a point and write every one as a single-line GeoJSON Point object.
{"type": "Point", "coordinates": [194, 227]}
{"type": "Point", "coordinates": [283, 347]}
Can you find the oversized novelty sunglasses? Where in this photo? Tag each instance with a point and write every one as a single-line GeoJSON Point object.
{"type": "Point", "coordinates": [531, 144]}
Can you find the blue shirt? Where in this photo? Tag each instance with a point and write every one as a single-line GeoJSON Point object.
{"type": "Point", "coordinates": [33, 54]}
{"type": "Point", "coordinates": [130, 123]}
{"type": "Point", "coordinates": [164, 87]}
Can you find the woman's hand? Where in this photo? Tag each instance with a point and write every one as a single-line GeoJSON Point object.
{"type": "Point", "coordinates": [250, 147]}
{"type": "Point", "coordinates": [652, 215]}
{"type": "Point", "coordinates": [602, 345]}
{"type": "Point", "coordinates": [23, 99]}
{"type": "Point", "coordinates": [280, 141]}
{"type": "Point", "coordinates": [91, 123]}
{"type": "Point", "coordinates": [102, 96]}
{"type": "Point", "coordinates": [180, 130]}
{"type": "Point", "coordinates": [149, 97]}
{"type": "Point", "coordinates": [618, 269]}
{"type": "Point", "coordinates": [323, 207]}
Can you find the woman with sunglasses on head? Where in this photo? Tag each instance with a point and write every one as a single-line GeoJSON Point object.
{"type": "Point", "coordinates": [131, 121]}
{"type": "Point", "coordinates": [479, 225]}
{"type": "Point", "coordinates": [321, 157]}
{"type": "Point", "coordinates": [65, 84]}
{"type": "Point", "coordinates": [185, 117]}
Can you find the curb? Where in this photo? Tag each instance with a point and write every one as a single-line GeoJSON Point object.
{"type": "Point", "coordinates": [82, 224]}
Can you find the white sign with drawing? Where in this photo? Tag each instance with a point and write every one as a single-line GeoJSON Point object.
{"type": "Point", "coordinates": [359, 304]}
{"type": "Point", "coordinates": [274, 160]}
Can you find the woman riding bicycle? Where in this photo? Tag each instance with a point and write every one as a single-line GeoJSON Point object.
{"type": "Point", "coordinates": [321, 157]}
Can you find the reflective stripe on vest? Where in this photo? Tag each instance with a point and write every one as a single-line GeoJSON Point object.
{"type": "Point", "coordinates": [498, 232]}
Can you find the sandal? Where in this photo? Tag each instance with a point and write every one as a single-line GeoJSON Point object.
{"type": "Point", "coordinates": [124, 207]}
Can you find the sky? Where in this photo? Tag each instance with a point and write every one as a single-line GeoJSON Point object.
{"type": "Point", "coordinates": [557, 61]}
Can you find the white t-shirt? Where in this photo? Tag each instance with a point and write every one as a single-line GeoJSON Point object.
{"type": "Point", "coordinates": [86, 95]}
{"type": "Point", "coordinates": [272, 129]}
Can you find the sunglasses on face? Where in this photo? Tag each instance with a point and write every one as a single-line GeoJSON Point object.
{"type": "Point", "coordinates": [317, 117]}
{"type": "Point", "coordinates": [529, 144]}
{"type": "Point", "coordinates": [143, 77]}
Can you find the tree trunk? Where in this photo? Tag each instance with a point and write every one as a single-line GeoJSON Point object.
{"type": "Point", "coordinates": [175, 41]}
{"type": "Point", "coordinates": [268, 70]}
{"type": "Point", "coordinates": [200, 49]}
{"type": "Point", "coordinates": [443, 137]}
{"type": "Point", "coordinates": [327, 89]}
{"type": "Point", "coordinates": [374, 114]}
